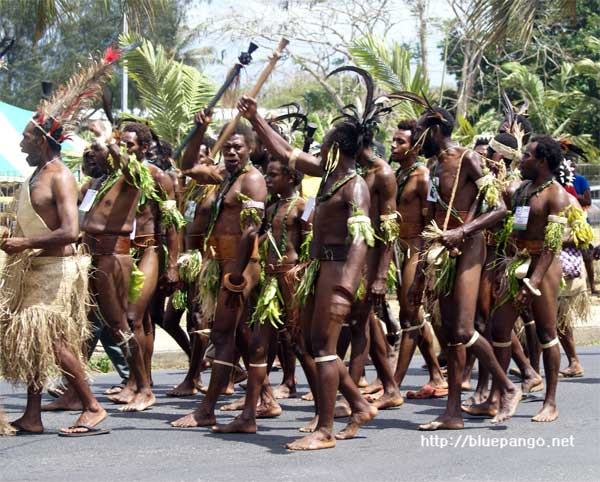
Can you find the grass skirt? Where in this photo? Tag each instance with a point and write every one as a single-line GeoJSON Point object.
{"type": "Point", "coordinates": [43, 300]}
{"type": "Point", "coordinates": [5, 427]}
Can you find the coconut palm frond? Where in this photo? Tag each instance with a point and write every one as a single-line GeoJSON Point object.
{"type": "Point", "coordinates": [390, 67]}
{"type": "Point", "coordinates": [170, 92]}
{"type": "Point", "coordinates": [500, 19]}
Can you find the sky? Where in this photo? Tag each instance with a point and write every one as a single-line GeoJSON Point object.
{"type": "Point", "coordinates": [404, 32]}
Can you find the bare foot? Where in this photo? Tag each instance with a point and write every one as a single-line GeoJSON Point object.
{"type": "Point", "coordinates": [342, 409]}
{"type": "Point", "coordinates": [114, 389]}
{"type": "Point", "coordinates": [283, 391]}
{"type": "Point", "coordinates": [195, 419]}
{"type": "Point", "coordinates": [24, 425]}
{"type": "Point", "coordinates": [232, 407]}
{"type": "Point", "coordinates": [357, 420]}
{"type": "Point", "coordinates": [477, 398]}
{"type": "Point", "coordinates": [389, 400]}
{"type": "Point", "coordinates": [319, 439]}
{"type": "Point", "coordinates": [88, 418]}
{"type": "Point", "coordinates": [140, 402]}
{"type": "Point", "coordinates": [228, 390]}
{"type": "Point", "coordinates": [67, 401]}
{"type": "Point", "coordinates": [309, 397]}
{"type": "Point", "coordinates": [310, 426]}
{"type": "Point", "coordinates": [362, 382]}
{"type": "Point", "coordinates": [548, 413]}
{"type": "Point", "coordinates": [533, 383]}
{"type": "Point", "coordinates": [466, 386]}
{"type": "Point", "coordinates": [238, 425]}
{"type": "Point", "coordinates": [483, 409]}
{"type": "Point", "coordinates": [372, 388]}
{"type": "Point", "coordinates": [124, 396]}
{"type": "Point", "coordinates": [186, 388]}
{"type": "Point", "coordinates": [574, 370]}
{"type": "Point", "coordinates": [373, 397]}
{"type": "Point", "coordinates": [509, 401]}
{"type": "Point", "coordinates": [444, 422]}
{"type": "Point", "coordinates": [268, 410]}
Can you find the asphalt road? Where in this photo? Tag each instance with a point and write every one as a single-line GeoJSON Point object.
{"type": "Point", "coordinates": [143, 447]}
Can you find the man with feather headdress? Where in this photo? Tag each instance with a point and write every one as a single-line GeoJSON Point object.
{"type": "Point", "coordinates": [342, 235]}
{"type": "Point", "coordinates": [44, 300]}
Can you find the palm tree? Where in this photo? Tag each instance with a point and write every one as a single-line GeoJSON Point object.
{"type": "Point", "coordinates": [390, 66]}
{"type": "Point", "coordinates": [170, 92]}
{"type": "Point", "coordinates": [49, 12]}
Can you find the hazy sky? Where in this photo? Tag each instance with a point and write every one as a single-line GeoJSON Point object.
{"type": "Point", "coordinates": [405, 31]}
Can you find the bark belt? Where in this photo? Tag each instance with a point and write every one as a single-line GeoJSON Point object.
{"type": "Point", "coordinates": [440, 217]}
{"type": "Point", "coordinates": [102, 244]}
{"type": "Point", "coordinates": [227, 246]}
{"type": "Point", "coordinates": [533, 246]}
{"type": "Point", "coordinates": [410, 230]}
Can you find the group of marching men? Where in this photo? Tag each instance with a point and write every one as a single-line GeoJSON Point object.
{"type": "Point", "coordinates": [469, 243]}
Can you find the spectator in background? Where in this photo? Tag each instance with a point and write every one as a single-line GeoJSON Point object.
{"type": "Point", "coordinates": [584, 196]}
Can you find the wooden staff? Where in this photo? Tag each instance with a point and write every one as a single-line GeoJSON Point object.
{"type": "Point", "coordinates": [253, 93]}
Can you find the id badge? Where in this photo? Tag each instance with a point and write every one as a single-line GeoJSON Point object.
{"type": "Point", "coordinates": [132, 234]}
{"type": "Point", "coordinates": [88, 200]}
{"type": "Point", "coordinates": [190, 211]}
{"type": "Point", "coordinates": [310, 205]}
{"type": "Point", "coordinates": [521, 218]}
{"type": "Point", "coordinates": [434, 185]}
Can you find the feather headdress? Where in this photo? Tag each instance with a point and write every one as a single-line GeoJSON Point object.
{"type": "Point", "coordinates": [60, 114]}
{"type": "Point", "coordinates": [366, 117]}
{"type": "Point", "coordinates": [299, 123]}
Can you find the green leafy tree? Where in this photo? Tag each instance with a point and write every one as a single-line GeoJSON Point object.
{"type": "Point", "coordinates": [170, 92]}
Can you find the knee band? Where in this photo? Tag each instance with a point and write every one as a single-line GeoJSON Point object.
{"type": "Point", "coordinates": [550, 344]}
{"type": "Point", "coordinates": [501, 344]}
{"type": "Point", "coordinates": [414, 328]}
{"type": "Point", "coordinates": [257, 365]}
{"type": "Point", "coordinates": [473, 339]}
{"type": "Point", "coordinates": [325, 358]}
{"type": "Point", "coordinates": [224, 363]}
{"type": "Point", "coordinates": [529, 323]}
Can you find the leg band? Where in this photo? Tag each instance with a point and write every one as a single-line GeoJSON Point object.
{"type": "Point", "coordinates": [529, 323]}
{"type": "Point", "coordinates": [455, 344]}
{"type": "Point", "coordinates": [224, 363]}
{"type": "Point", "coordinates": [550, 344]}
{"type": "Point", "coordinates": [501, 344]}
{"type": "Point", "coordinates": [257, 365]}
{"type": "Point", "coordinates": [414, 328]}
{"type": "Point", "coordinates": [326, 358]}
{"type": "Point", "coordinates": [473, 339]}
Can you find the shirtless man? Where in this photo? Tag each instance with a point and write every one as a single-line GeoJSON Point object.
{"type": "Point", "coordinates": [502, 154]}
{"type": "Point", "coordinates": [107, 226]}
{"type": "Point", "coordinates": [537, 205]}
{"type": "Point", "coordinates": [196, 211]}
{"type": "Point", "coordinates": [381, 183]}
{"type": "Point", "coordinates": [137, 394]}
{"type": "Point", "coordinates": [282, 248]}
{"type": "Point", "coordinates": [413, 183]}
{"type": "Point", "coordinates": [455, 207]}
{"type": "Point", "coordinates": [334, 272]}
{"type": "Point", "coordinates": [231, 242]}
{"type": "Point", "coordinates": [47, 222]}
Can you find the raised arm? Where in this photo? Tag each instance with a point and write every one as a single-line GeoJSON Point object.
{"type": "Point", "coordinates": [276, 144]}
{"type": "Point", "coordinates": [193, 148]}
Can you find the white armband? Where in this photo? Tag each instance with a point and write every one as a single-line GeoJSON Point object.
{"type": "Point", "coordinates": [557, 219]}
{"type": "Point", "coordinates": [253, 204]}
{"type": "Point", "coordinates": [294, 157]}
